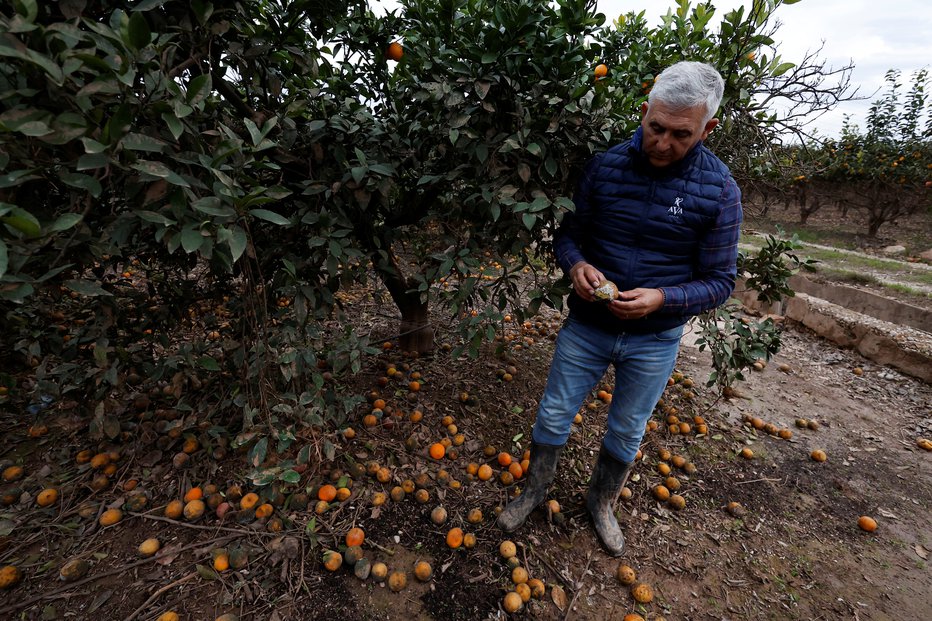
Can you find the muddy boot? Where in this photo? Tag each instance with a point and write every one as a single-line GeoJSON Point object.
{"type": "Point", "coordinates": [543, 467]}
{"type": "Point", "coordinates": [608, 478]}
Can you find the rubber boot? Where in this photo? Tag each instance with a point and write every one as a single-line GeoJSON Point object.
{"type": "Point", "coordinates": [543, 467]}
{"type": "Point", "coordinates": [608, 478]}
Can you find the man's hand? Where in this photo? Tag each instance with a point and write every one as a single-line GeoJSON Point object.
{"type": "Point", "coordinates": [585, 279]}
{"type": "Point", "coordinates": [636, 303]}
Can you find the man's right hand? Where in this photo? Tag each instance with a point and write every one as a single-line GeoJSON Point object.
{"type": "Point", "coordinates": [585, 279]}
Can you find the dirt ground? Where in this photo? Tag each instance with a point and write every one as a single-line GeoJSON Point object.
{"type": "Point", "coordinates": [796, 552]}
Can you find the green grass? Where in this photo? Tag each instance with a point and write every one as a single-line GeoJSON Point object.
{"type": "Point", "coordinates": [859, 278]}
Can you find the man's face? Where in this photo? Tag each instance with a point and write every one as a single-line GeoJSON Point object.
{"type": "Point", "coordinates": [669, 134]}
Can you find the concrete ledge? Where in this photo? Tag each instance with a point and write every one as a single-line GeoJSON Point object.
{"type": "Point", "coordinates": [904, 348]}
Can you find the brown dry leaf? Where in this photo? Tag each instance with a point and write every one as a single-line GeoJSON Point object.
{"type": "Point", "coordinates": [558, 595]}
{"type": "Point", "coordinates": [169, 554]}
{"type": "Point", "coordinates": [921, 551]}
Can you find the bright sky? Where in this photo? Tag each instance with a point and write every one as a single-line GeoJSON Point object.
{"type": "Point", "coordinates": [874, 36]}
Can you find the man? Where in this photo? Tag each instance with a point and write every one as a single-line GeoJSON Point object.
{"type": "Point", "coordinates": [658, 215]}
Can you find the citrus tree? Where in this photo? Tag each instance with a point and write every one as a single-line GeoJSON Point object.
{"type": "Point", "coordinates": [886, 170]}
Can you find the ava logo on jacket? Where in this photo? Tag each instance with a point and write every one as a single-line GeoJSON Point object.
{"type": "Point", "coordinates": [675, 212]}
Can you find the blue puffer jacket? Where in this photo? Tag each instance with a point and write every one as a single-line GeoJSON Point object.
{"type": "Point", "coordinates": [674, 228]}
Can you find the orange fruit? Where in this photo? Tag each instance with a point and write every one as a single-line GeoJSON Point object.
{"type": "Point", "coordinates": [437, 450]}
{"type": "Point", "coordinates": [867, 523]}
{"type": "Point", "coordinates": [537, 587]}
{"type": "Point", "coordinates": [512, 602]}
{"type": "Point", "coordinates": [327, 493]}
{"type": "Point", "coordinates": [170, 615]}
{"type": "Point", "coordinates": [661, 492]}
{"type": "Point", "coordinates": [924, 443]}
{"type": "Point", "coordinates": [264, 510]}
{"type": "Point", "coordinates": [642, 593]}
{"type": "Point", "coordinates": [423, 571]}
{"type": "Point", "coordinates": [819, 455]}
{"type": "Point", "coordinates": [249, 501]}
{"type": "Point", "coordinates": [519, 575]}
{"type": "Point", "coordinates": [677, 502]}
{"type": "Point", "coordinates": [397, 581]}
{"type": "Point", "coordinates": [378, 404]}
{"type": "Point", "coordinates": [110, 517]}
{"type": "Point", "coordinates": [625, 575]}
{"type": "Point", "coordinates": [747, 453]}
{"type": "Point", "coordinates": [10, 576]}
{"type": "Point", "coordinates": [174, 509]}
{"type": "Point", "coordinates": [355, 536]}
{"type": "Point", "coordinates": [663, 468]}
{"type": "Point", "coordinates": [524, 591]}
{"type": "Point", "coordinates": [601, 70]}
{"type": "Point", "coordinates": [474, 516]}
{"type": "Point", "coordinates": [332, 560]}
{"type": "Point", "coordinates": [47, 497]}
{"type": "Point", "coordinates": [12, 473]}
{"type": "Point", "coordinates": [504, 459]}
{"type": "Point", "coordinates": [379, 571]}
{"type": "Point", "coordinates": [455, 537]}
{"type": "Point", "coordinates": [149, 547]}
{"type": "Point", "coordinates": [507, 549]}
{"type": "Point", "coordinates": [194, 509]}
{"type": "Point", "coordinates": [438, 516]}
{"type": "Point", "coordinates": [469, 541]}
{"type": "Point", "coordinates": [515, 469]}
{"type": "Point", "coordinates": [485, 472]}
{"type": "Point", "coordinates": [395, 51]}
{"type": "Point", "coordinates": [633, 616]}
{"type": "Point", "coordinates": [221, 560]}
{"type": "Point", "coordinates": [195, 493]}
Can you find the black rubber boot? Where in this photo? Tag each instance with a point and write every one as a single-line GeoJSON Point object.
{"type": "Point", "coordinates": [543, 467]}
{"type": "Point", "coordinates": [608, 478]}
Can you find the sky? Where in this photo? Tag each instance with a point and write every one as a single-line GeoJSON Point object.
{"type": "Point", "coordinates": [873, 36]}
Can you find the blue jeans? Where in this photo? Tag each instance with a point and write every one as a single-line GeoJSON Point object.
{"type": "Point", "coordinates": [643, 363]}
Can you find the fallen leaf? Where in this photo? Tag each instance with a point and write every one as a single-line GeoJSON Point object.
{"type": "Point", "coordinates": [169, 554]}
{"type": "Point", "coordinates": [887, 514]}
{"type": "Point", "coordinates": [558, 595]}
{"type": "Point", "coordinates": [921, 551]}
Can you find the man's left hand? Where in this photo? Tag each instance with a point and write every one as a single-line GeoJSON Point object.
{"type": "Point", "coordinates": [636, 303]}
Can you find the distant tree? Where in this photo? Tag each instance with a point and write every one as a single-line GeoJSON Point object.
{"type": "Point", "coordinates": [887, 170]}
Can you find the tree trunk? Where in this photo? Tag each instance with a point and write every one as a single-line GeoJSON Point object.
{"type": "Point", "coordinates": [416, 333]}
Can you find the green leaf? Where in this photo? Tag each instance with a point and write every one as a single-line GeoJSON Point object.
{"type": "Point", "coordinates": [87, 287]}
{"type": "Point", "coordinates": [529, 220]}
{"type": "Point", "coordinates": [198, 89]}
{"type": "Point", "coordinates": [46, 64]}
{"type": "Point", "coordinates": [138, 31]}
{"type": "Point", "coordinates": [212, 206]}
{"type": "Point", "coordinates": [22, 221]}
{"type": "Point", "coordinates": [64, 222]}
{"type": "Point", "coordinates": [237, 242]}
{"type": "Point", "coordinates": [208, 363]}
{"type": "Point", "coordinates": [154, 217]}
{"type": "Point", "coordinates": [84, 182]}
{"type": "Point", "coordinates": [148, 5]}
{"type": "Point", "coordinates": [28, 9]}
{"type": "Point", "coordinates": [175, 126]}
{"type": "Point", "coordinates": [781, 69]}
{"type": "Point", "coordinates": [140, 142]}
{"type": "Point", "coordinates": [269, 216]}
{"type": "Point", "coordinates": [258, 451]}
{"type": "Point", "coordinates": [191, 239]}
{"type": "Point", "coordinates": [205, 572]}
{"type": "Point", "coordinates": [4, 259]}
{"type": "Point", "coordinates": [90, 161]}
{"type": "Point", "coordinates": [290, 476]}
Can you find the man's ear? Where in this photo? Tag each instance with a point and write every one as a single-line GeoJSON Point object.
{"type": "Point", "coordinates": [709, 126]}
{"type": "Point", "coordinates": [643, 109]}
